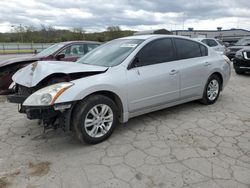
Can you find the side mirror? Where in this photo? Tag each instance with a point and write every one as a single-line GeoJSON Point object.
{"type": "Point", "coordinates": [248, 44]}
{"type": "Point", "coordinates": [60, 56]}
{"type": "Point", "coordinates": [135, 63]}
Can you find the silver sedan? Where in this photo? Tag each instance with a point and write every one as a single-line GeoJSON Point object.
{"type": "Point", "coordinates": [119, 80]}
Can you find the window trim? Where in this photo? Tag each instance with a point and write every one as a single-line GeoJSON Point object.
{"type": "Point", "coordinates": [173, 45]}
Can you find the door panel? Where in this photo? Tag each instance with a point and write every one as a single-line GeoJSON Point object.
{"type": "Point", "coordinates": [193, 71]}
{"type": "Point", "coordinates": [194, 64]}
{"type": "Point", "coordinates": [153, 85]}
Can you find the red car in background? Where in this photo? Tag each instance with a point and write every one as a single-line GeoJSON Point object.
{"type": "Point", "coordinates": [63, 51]}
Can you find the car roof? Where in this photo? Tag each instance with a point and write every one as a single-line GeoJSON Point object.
{"type": "Point", "coordinates": [204, 38]}
{"type": "Point", "coordinates": [80, 41]}
{"type": "Point", "coordinates": [145, 37]}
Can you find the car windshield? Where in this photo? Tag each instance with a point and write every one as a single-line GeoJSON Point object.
{"type": "Point", "coordinates": [111, 53]}
{"type": "Point", "coordinates": [242, 42]}
{"type": "Point", "coordinates": [50, 50]}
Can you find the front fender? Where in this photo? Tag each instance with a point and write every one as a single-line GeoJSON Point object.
{"type": "Point", "coordinates": [85, 86]}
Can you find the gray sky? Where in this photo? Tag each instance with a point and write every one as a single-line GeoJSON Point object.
{"type": "Point", "coordinates": [97, 15]}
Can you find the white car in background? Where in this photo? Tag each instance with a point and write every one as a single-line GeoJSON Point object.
{"type": "Point", "coordinates": [215, 44]}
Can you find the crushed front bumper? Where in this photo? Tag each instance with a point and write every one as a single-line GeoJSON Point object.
{"type": "Point", "coordinates": [42, 113]}
{"type": "Point", "coordinates": [19, 99]}
{"type": "Point", "coordinates": [50, 116]}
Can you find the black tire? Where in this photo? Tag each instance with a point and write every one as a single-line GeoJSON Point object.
{"type": "Point", "coordinates": [205, 99]}
{"type": "Point", "coordinates": [238, 71]}
{"type": "Point", "coordinates": [80, 112]}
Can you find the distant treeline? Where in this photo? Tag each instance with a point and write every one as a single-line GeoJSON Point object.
{"type": "Point", "coordinates": [50, 35]}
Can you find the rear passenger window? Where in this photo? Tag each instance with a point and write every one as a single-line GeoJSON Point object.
{"type": "Point", "coordinates": [187, 49]}
{"type": "Point", "coordinates": [157, 51]}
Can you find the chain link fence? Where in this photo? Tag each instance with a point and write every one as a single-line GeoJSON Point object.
{"type": "Point", "coordinates": [22, 48]}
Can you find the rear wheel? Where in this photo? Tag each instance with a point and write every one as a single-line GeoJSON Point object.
{"type": "Point", "coordinates": [94, 119]}
{"type": "Point", "coordinates": [212, 90]}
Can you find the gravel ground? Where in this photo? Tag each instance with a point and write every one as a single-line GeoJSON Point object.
{"type": "Point", "coordinates": [190, 145]}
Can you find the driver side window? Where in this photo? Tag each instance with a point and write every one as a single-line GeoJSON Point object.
{"type": "Point", "coordinates": [73, 50]}
{"type": "Point", "coordinates": [158, 51]}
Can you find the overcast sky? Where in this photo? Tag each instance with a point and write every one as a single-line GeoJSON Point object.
{"type": "Point", "coordinates": [97, 15]}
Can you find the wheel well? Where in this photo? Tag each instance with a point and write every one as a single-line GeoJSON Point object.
{"type": "Point", "coordinates": [221, 78]}
{"type": "Point", "coordinates": [113, 97]}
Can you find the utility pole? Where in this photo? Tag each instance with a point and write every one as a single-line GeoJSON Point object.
{"type": "Point", "coordinates": [21, 32]}
{"type": "Point", "coordinates": [183, 20]}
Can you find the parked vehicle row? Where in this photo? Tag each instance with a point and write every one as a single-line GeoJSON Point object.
{"type": "Point", "coordinates": [119, 80]}
{"type": "Point", "coordinates": [241, 61]}
{"type": "Point", "coordinates": [64, 51]}
{"type": "Point", "coordinates": [242, 43]}
{"type": "Point", "coordinates": [239, 53]}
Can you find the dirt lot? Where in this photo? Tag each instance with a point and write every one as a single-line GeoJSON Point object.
{"type": "Point", "coordinates": [190, 145]}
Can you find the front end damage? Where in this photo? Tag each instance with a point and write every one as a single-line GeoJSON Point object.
{"type": "Point", "coordinates": [57, 116]}
{"type": "Point", "coordinates": [36, 94]}
{"type": "Point", "coordinates": [51, 116]}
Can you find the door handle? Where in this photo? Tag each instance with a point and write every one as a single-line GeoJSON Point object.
{"type": "Point", "coordinates": [207, 64]}
{"type": "Point", "coordinates": [173, 72]}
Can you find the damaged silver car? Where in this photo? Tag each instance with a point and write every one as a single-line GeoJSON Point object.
{"type": "Point", "coordinates": [119, 80]}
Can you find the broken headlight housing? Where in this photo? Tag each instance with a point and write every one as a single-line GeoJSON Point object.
{"type": "Point", "coordinates": [48, 95]}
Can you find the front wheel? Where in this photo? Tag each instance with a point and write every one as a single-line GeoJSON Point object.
{"type": "Point", "coordinates": [94, 119]}
{"type": "Point", "coordinates": [212, 90]}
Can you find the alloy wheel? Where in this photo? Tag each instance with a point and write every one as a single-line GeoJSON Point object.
{"type": "Point", "coordinates": [99, 120]}
{"type": "Point", "coordinates": [213, 89]}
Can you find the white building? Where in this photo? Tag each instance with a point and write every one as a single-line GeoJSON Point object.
{"type": "Point", "coordinates": [231, 36]}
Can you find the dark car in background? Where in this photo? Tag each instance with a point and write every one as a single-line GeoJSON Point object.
{"type": "Point", "coordinates": [63, 51]}
{"type": "Point", "coordinates": [231, 51]}
{"type": "Point", "coordinates": [241, 61]}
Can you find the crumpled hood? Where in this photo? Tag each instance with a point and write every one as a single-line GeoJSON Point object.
{"type": "Point", "coordinates": [19, 59]}
{"type": "Point", "coordinates": [32, 74]}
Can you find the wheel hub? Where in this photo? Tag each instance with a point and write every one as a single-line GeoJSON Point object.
{"type": "Point", "coordinates": [99, 120]}
{"type": "Point", "coordinates": [213, 90]}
